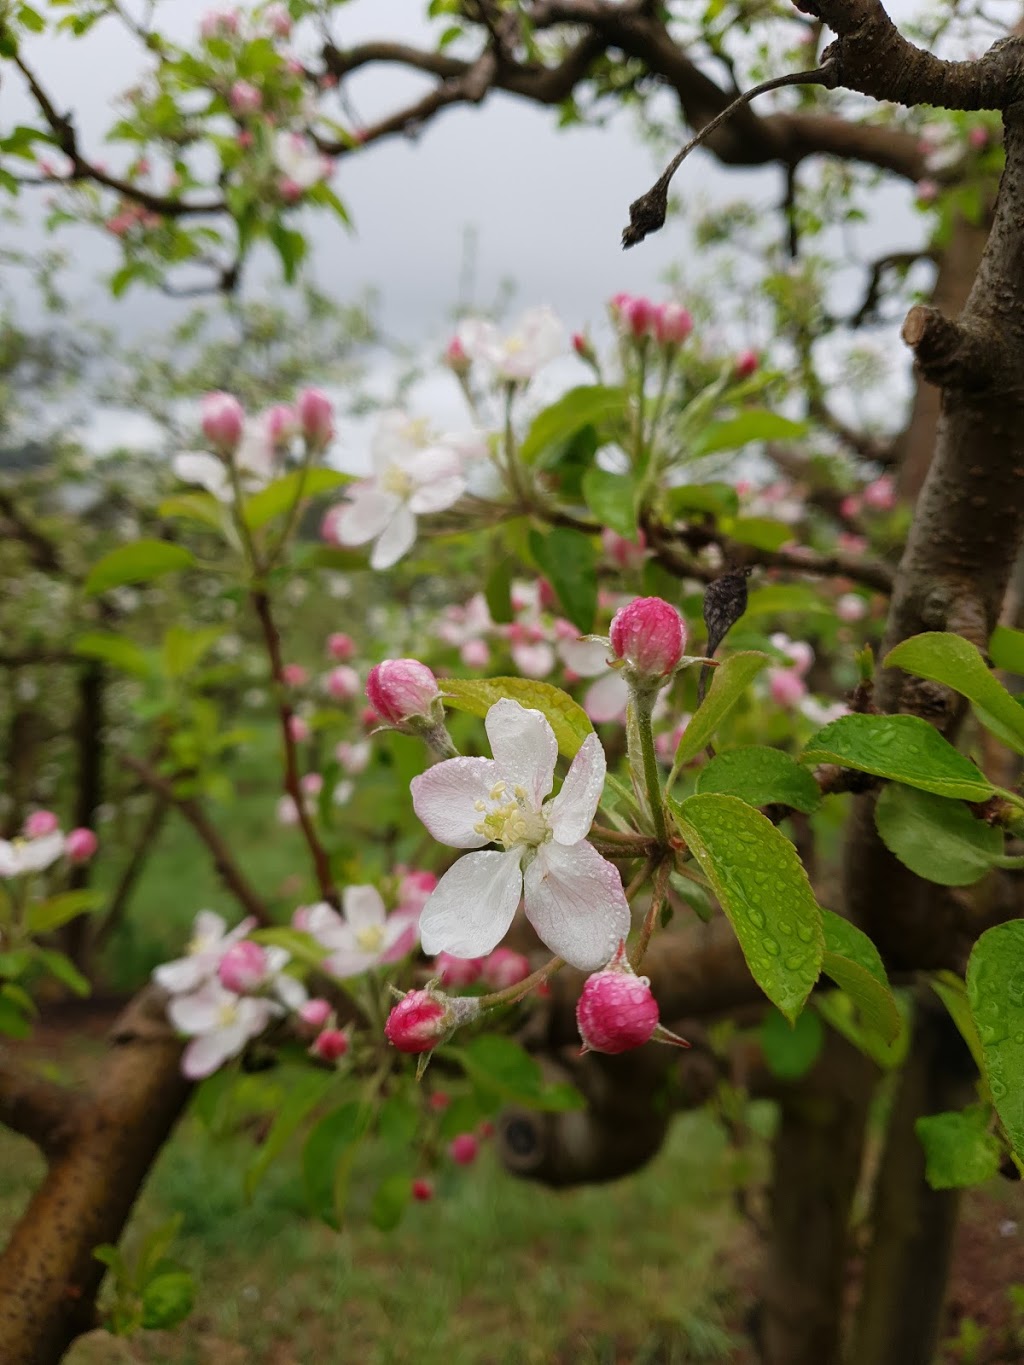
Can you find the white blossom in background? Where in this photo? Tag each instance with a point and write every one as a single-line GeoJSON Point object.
{"type": "Point", "coordinates": [414, 475]}
{"type": "Point", "coordinates": [360, 937]}
{"type": "Point", "coordinates": [536, 339]}
{"type": "Point", "coordinates": [298, 160]}
{"type": "Point", "coordinates": [573, 897]}
{"type": "Point", "coordinates": [254, 459]}
{"type": "Point", "coordinates": [606, 698]}
{"type": "Point", "coordinates": [19, 857]}
{"type": "Point", "coordinates": [208, 944]}
{"type": "Point", "coordinates": [219, 1023]}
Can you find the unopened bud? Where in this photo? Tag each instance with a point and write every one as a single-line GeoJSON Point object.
{"type": "Point", "coordinates": [463, 1149]}
{"type": "Point", "coordinates": [330, 1045]}
{"type": "Point", "coordinates": [399, 689]}
{"type": "Point", "coordinates": [80, 845]}
{"type": "Point", "coordinates": [222, 419]}
{"type": "Point", "coordinates": [40, 823]}
{"type": "Point", "coordinates": [423, 1019]}
{"type": "Point", "coordinates": [316, 417]}
{"type": "Point", "coordinates": [243, 967]}
{"type": "Point", "coordinates": [648, 634]}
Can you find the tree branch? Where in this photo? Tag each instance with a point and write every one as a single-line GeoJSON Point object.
{"type": "Point", "coordinates": [39, 1109]}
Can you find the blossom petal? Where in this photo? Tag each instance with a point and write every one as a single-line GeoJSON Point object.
{"type": "Point", "coordinates": [572, 812]}
{"type": "Point", "coordinates": [369, 512]}
{"type": "Point", "coordinates": [290, 991]}
{"type": "Point", "coordinates": [182, 975]}
{"type": "Point", "coordinates": [199, 466]}
{"type": "Point", "coordinates": [363, 907]}
{"type": "Point", "coordinates": [574, 900]}
{"type": "Point", "coordinates": [607, 698]}
{"type": "Point", "coordinates": [35, 854]}
{"type": "Point", "coordinates": [472, 906]}
{"type": "Point", "coordinates": [437, 495]}
{"type": "Point", "coordinates": [396, 540]}
{"type": "Point", "coordinates": [445, 797]}
{"type": "Point", "coordinates": [205, 1054]}
{"type": "Point", "coordinates": [524, 747]}
{"type": "Point", "coordinates": [199, 1012]}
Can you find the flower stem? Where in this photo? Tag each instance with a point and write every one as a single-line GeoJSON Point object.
{"type": "Point", "coordinates": [651, 918]}
{"type": "Point", "coordinates": [643, 705]}
{"type": "Point", "coordinates": [511, 994]}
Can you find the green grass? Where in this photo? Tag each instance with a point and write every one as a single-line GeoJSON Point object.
{"type": "Point", "coordinates": [493, 1270]}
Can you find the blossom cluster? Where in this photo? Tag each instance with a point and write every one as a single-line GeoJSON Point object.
{"type": "Point", "coordinates": [42, 843]}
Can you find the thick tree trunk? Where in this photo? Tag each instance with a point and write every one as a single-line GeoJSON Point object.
{"type": "Point", "coordinates": [817, 1161]}
{"type": "Point", "coordinates": [907, 1267]}
{"type": "Point", "coordinates": [99, 1157]}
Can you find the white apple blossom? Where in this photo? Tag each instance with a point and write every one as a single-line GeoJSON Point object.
{"type": "Point", "coordinates": [21, 856]}
{"type": "Point", "coordinates": [361, 936]}
{"type": "Point", "coordinates": [413, 475]}
{"type": "Point", "coordinates": [537, 338]}
{"type": "Point", "coordinates": [298, 160]}
{"type": "Point", "coordinates": [573, 896]}
{"type": "Point", "coordinates": [220, 1024]}
{"type": "Point", "coordinates": [208, 945]}
{"type": "Point", "coordinates": [254, 459]}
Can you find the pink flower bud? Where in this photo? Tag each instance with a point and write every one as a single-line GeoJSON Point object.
{"type": "Point", "coordinates": [280, 423]}
{"type": "Point", "coordinates": [627, 554]}
{"type": "Point", "coordinates": [222, 419]}
{"type": "Point", "coordinates": [504, 968]}
{"type": "Point", "coordinates": [637, 317]}
{"type": "Point", "coordinates": [400, 688]}
{"type": "Point", "coordinates": [850, 607]}
{"type": "Point", "coordinates": [672, 324]}
{"type": "Point", "coordinates": [439, 1101]}
{"type": "Point", "coordinates": [422, 1191]}
{"type": "Point", "coordinates": [581, 344]}
{"type": "Point", "coordinates": [291, 191]}
{"type": "Point", "coordinates": [463, 1149]}
{"type": "Point", "coordinates": [418, 1022]}
{"type": "Point", "coordinates": [414, 888]}
{"type": "Point", "coordinates": [40, 823]}
{"type": "Point", "coordinates": [746, 364]}
{"type": "Point", "coordinates": [978, 138]}
{"type": "Point", "coordinates": [927, 191]}
{"type": "Point", "coordinates": [881, 494]}
{"type": "Point", "coordinates": [616, 1011]}
{"type": "Point", "coordinates": [294, 675]}
{"type": "Point", "coordinates": [316, 417]}
{"type": "Point", "coordinates": [298, 730]}
{"type": "Point", "coordinates": [312, 783]}
{"type": "Point", "coordinates": [80, 845]}
{"type": "Point", "coordinates": [244, 98]}
{"type": "Point", "coordinates": [219, 23]}
{"type": "Point", "coordinates": [485, 1130]}
{"type": "Point", "coordinates": [330, 1045]}
{"type": "Point", "coordinates": [316, 1012]}
{"type": "Point", "coordinates": [786, 686]}
{"type": "Point", "coordinates": [278, 20]}
{"type": "Point", "coordinates": [475, 654]}
{"type": "Point", "coordinates": [456, 971]}
{"type": "Point", "coordinates": [342, 683]}
{"type": "Point", "coordinates": [455, 357]}
{"type": "Point", "coordinates": [243, 967]}
{"type": "Point", "coordinates": [244, 138]}
{"type": "Point", "coordinates": [340, 646]}
{"type": "Point", "coordinates": [649, 634]}
{"type": "Point", "coordinates": [849, 508]}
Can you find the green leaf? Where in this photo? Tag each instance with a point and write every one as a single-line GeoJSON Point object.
{"type": "Point", "coordinates": [761, 885]}
{"type": "Point", "coordinates": [777, 598]}
{"type": "Point", "coordinates": [901, 748]}
{"type": "Point", "coordinates": [958, 1149]}
{"type": "Point", "coordinates": [303, 947]}
{"type": "Point", "coordinates": [611, 498]}
{"type": "Point", "coordinates": [791, 1049]}
{"type": "Point", "coordinates": [728, 683]}
{"type": "Point", "coordinates": [137, 563]}
{"type": "Point", "coordinates": [12, 1019]}
{"type": "Point", "coordinates": [44, 916]}
{"type": "Point", "coordinates": [761, 777]}
{"type": "Point", "coordinates": [854, 963]}
{"type": "Point", "coordinates": [935, 837]}
{"type": "Point", "coordinates": [115, 650]}
{"type": "Point", "coordinates": [566, 717]}
{"type": "Point", "coordinates": [498, 591]}
{"type": "Point", "coordinates": [328, 1156]}
{"type": "Point", "coordinates": [1006, 649]}
{"type": "Point", "coordinates": [580, 407]}
{"type": "Point", "coordinates": [183, 649]}
{"type": "Point", "coordinates": [568, 561]}
{"type": "Point", "coordinates": [995, 989]}
{"type": "Point", "coordinates": [64, 971]}
{"type": "Point", "coordinates": [755, 424]}
{"type": "Point", "coordinates": [953, 994]}
{"type": "Point", "coordinates": [167, 1299]}
{"type": "Point", "coordinates": [307, 1090]}
{"type": "Point", "coordinates": [499, 1066]}
{"type": "Point", "coordinates": [955, 662]}
{"type": "Point", "coordinates": [278, 497]}
{"type": "Point", "coordinates": [202, 508]}
{"type": "Point", "coordinates": [390, 1200]}
{"type": "Point", "coordinates": [716, 499]}
{"type": "Point", "coordinates": [761, 532]}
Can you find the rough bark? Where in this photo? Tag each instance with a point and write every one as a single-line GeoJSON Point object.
{"type": "Point", "coordinates": [907, 1266]}
{"type": "Point", "coordinates": [48, 1275]}
{"type": "Point", "coordinates": [817, 1155]}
